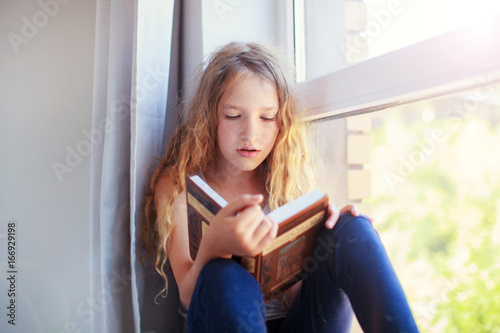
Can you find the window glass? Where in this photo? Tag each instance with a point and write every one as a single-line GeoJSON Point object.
{"type": "Point", "coordinates": [435, 196]}
{"type": "Point", "coordinates": [333, 34]}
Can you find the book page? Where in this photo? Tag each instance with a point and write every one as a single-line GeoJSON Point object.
{"type": "Point", "coordinates": [208, 190]}
{"type": "Point", "coordinates": [293, 207]}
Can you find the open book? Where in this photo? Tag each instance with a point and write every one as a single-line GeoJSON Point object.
{"type": "Point", "coordinates": [281, 264]}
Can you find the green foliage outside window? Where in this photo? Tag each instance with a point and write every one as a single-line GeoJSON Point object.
{"type": "Point", "coordinates": [437, 208]}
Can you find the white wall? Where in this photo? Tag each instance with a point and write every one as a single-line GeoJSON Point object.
{"type": "Point", "coordinates": [46, 73]}
{"type": "Point", "coordinates": [209, 24]}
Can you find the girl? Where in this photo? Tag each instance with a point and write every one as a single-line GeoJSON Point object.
{"type": "Point", "coordinates": [243, 137]}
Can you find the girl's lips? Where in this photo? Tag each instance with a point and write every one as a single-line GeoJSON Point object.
{"type": "Point", "coordinates": [248, 152]}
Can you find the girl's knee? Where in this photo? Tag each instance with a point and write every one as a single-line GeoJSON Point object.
{"type": "Point", "coordinates": [225, 272]}
{"type": "Point", "coordinates": [219, 265]}
{"type": "Point", "coordinates": [348, 228]}
{"type": "Point", "coordinates": [226, 298]}
{"type": "Point", "coordinates": [349, 218]}
{"type": "Point", "coordinates": [349, 225]}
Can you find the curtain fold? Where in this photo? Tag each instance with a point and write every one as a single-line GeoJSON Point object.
{"type": "Point", "coordinates": [132, 58]}
{"type": "Point", "coordinates": [154, 66]}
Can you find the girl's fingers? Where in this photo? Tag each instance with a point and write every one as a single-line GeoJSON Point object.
{"type": "Point", "coordinates": [353, 209]}
{"type": "Point", "coordinates": [237, 206]}
{"type": "Point", "coordinates": [333, 216]}
{"type": "Point", "coordinates": [369, 218]}
{"type": "Point", "coordinates": [262, 229]}
{"type": "Point", "coordinates": [249, 219]}
{"type": "Point", "coordinates": [269, 236]}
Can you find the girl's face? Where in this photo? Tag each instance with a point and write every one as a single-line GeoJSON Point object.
{"type": "Point", "coordinates": [247, 124]}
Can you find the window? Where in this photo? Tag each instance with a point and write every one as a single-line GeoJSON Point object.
{"type": "Point", "coordinates": [332, 35]}
{"type": "Point", "coordinates": [408, 130]}
{"type": "Point", "coordinates": [436, 193]}
{"type": "Point", "coordinates": [428, 173]}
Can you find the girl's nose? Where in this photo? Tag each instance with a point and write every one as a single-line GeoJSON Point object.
{"type": "Point", "coordinates": [249, 131]}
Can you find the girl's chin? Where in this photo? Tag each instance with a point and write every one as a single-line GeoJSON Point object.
{"type": "Point", "coordinates": [246, 167]}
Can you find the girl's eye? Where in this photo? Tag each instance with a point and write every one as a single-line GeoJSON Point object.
{"type": "Point", "coordinates": [267, 118]}
{"type": "Point", "coordinates": [232, 117]}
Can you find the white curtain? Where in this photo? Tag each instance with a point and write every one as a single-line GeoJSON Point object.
{"type": "Point", "coordinates": [132, 59]}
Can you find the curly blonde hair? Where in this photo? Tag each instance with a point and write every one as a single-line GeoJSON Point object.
{"type": "Point", "coordinates": [287, 169]}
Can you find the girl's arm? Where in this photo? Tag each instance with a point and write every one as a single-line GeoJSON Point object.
{"type": "Point", "coordinates": [240, 228]}
{"type": "Point", "coordinates": [182, 266]}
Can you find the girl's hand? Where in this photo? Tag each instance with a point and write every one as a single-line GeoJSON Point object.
{"type": "Point", "coordinates": [334, 214]}
{"type": "Point", "coordinates": [241, 228]}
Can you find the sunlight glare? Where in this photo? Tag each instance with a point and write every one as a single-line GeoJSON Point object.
{"type": "Point", "coordinates": [428, 115]}
{"type": "Point", "coordinates": [479, 17]}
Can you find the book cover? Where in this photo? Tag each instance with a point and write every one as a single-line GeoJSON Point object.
{"type": "Point", "coordinates": [281, 264]}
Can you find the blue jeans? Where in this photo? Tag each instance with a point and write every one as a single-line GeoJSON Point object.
{"type": "Point", "coordinates": [349, 270]}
